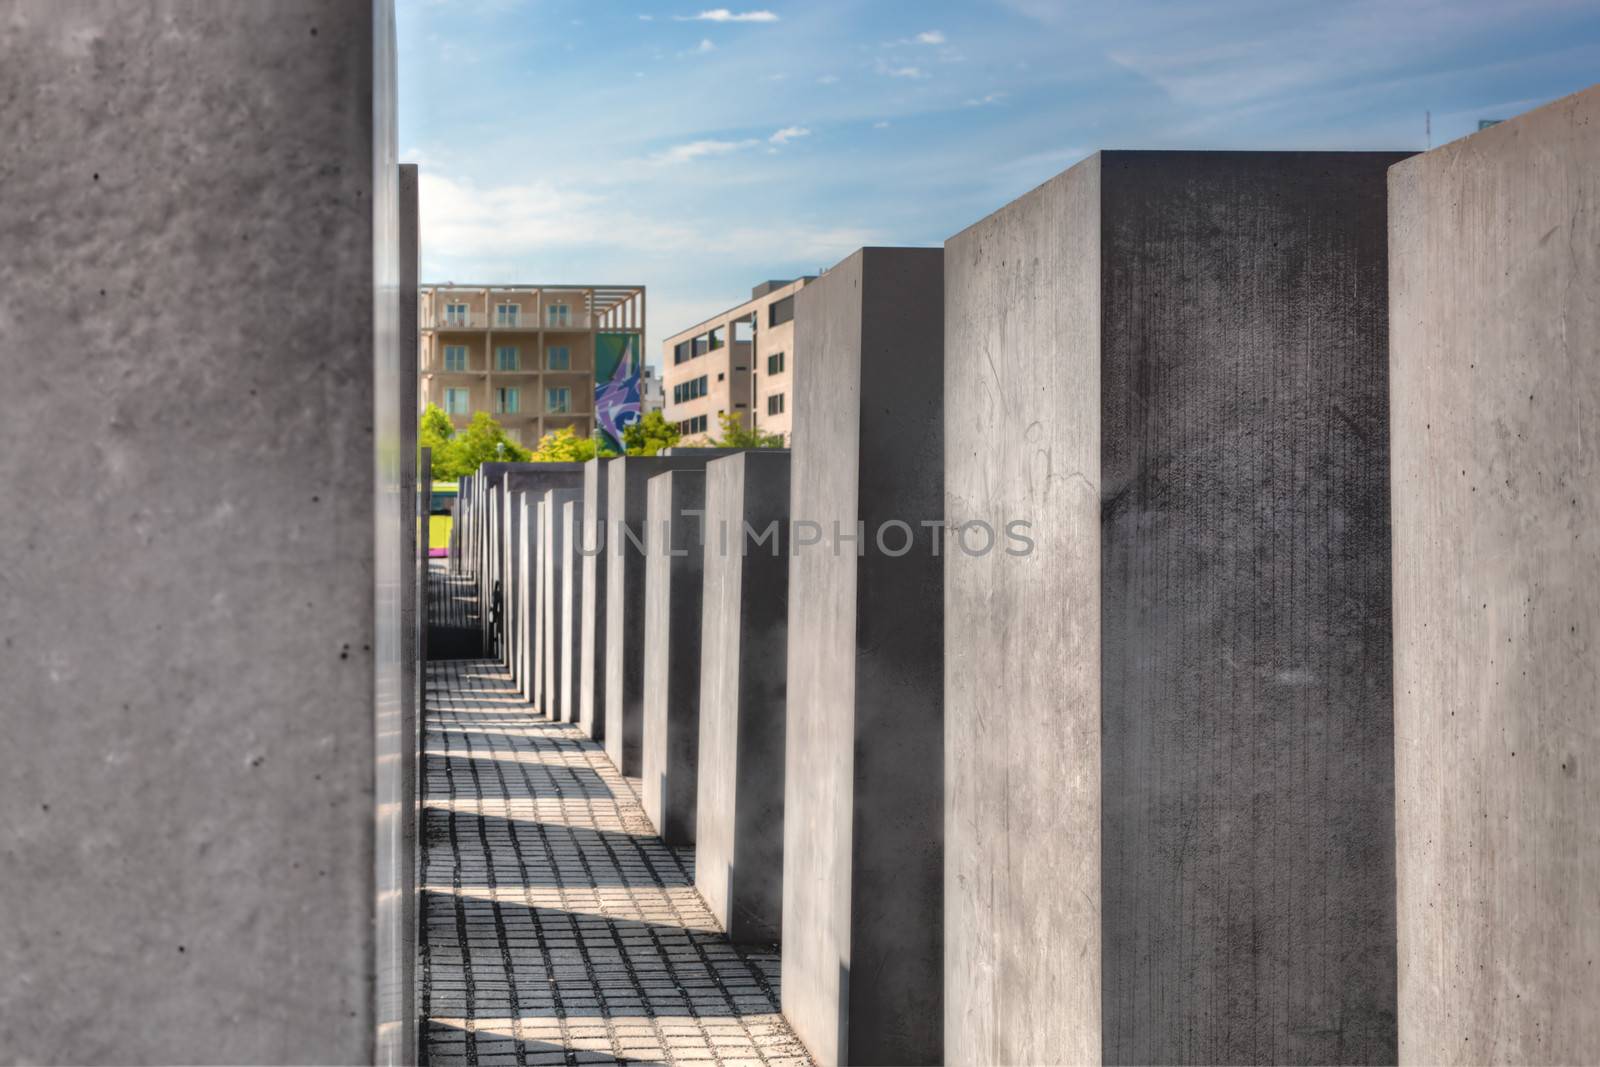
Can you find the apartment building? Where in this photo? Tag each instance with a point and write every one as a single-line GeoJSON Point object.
{"type": "Point", "coordinates": [537, 358]}
{"type": "Point", "coordinates": [740, 360]}
{"type": "Point", "coordinates": [651, 396]}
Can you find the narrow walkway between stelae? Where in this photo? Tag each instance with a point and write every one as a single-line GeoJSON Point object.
{"type": "Point", "coordinates": [558, 928]}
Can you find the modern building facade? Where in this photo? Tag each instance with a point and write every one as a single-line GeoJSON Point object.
{"type": "Point", "coordinates": [651, 394]}
{"type": "Point", "coordinates": [739, 361]}
{"type": "Point", "coordinates": [537, 358]}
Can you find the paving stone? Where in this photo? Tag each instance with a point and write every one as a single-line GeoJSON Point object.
{"type": "Point", "coordinates": [559, 929]}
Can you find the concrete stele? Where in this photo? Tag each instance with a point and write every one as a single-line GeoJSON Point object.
{"type": "Point", "coordinates": [863, 826]}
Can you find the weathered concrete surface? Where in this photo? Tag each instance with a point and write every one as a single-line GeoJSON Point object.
{"type": "Point", "coordinates": [519, 527]}
{"type": "Point", "coordinates": [400, 1036]}
{"type": "Point", "coordinates": [1192, 346]}
{"type": "Point", "coordinates": [1022, 634]}
{"type": "Point", "coordinates": [570, 608]}
{"type": "Point", "coordinates": [738, 864]}
{"type": "Point", "coordinates": [1495, 369]}
{"type": "Point", "coordinates": [524, 597]}
{"type": "Point", "coordinates": [192, 664]}
{"type": "Point", "coordinates": [555, 576]}
{"type": "Point", "coordinates": [674, 572]}
{"type": "Point", "coordinates": [624, 600]}
{"type": "Point", "coordinates": [863, 826]}
{"type": "Point", "coordinates": [527, 534]}
{"type": "Point", "coordinates": [592, 603]}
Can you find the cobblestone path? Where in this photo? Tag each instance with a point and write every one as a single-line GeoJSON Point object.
{"type": "Point", "coordinates": [558, 928]}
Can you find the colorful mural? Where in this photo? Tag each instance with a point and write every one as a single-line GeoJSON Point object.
{"type": "Point", "coordinates": [616, 386]}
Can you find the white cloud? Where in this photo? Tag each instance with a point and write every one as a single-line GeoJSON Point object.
{"type": "Point", "coordinates": [702, 48]}
{"type": "Point", "coordinates": [722, 14]}
{"type": "Point", "coordinates": [828, 79]}
{"type": "Point", "coordinates": [982, 101]}
{"type": "Point", "coordinates": [881, 124]}
{"type": "Point", "coordinates": [789, 133]}
{"type": "Point", "coordinates": [901, 72]}
{"type": "Point", "coordinates": [647, 18]}
{"type": "Point", "coordinates": [685, 153]}
{"type": "Point", "coordinates": [930, 37]}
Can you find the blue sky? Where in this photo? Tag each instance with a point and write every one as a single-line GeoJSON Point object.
{"type": "Point", "coordinates": [699, 150]}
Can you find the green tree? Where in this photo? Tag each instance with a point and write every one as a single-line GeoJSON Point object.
{"type": "Point", "coordinates": [564, 446]}
{"type": "Point", "coordinates": [734, 435]}
{"type": "Point", "coordinates": [649, 435]}
{"type": "Point", "coordinates": [485, 441]}
{"type": "Point", "coordinates": [434, 431]}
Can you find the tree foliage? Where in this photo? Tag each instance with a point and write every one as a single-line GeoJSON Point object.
{"type": "Point", "coordinates": [564, 446]}
{"type": "Point", "coordinates": [649, 435]}
{"type": "Point", "coordinates": [734, 435]}
{"type": "Point", "coordinates": [460, 453]}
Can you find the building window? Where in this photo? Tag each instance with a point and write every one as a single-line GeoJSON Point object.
{"type": "Point", "coordinates": [775, 363]}
{"type": "Point", "coordinates": [719, 338]}
{"type": "Point", "coordinates": [775, 404]}
{"type": "Point", "coordinates": [558, 400]}
{"type": "Point", "coordinates": [694, 425]}
{"type": "Point", "coordinates": [506, 314]}
{"type": "Point", "coordinates": [507, 357]}
{"type": "Point", "coordinates": [558, 315]}
{"type": "Point", "coordinates": [693, 389]}
{"type": "Point", "coordinates": [507, 401]}
{"type": "Point", "coordinates": [455, 401]}
{"type": "Point", "coordinates": [559, 357]}
{"type": "Point", "coordinates": [780, 311]}
{"type": "Point", "coordinates": [455, 314]}
{"type": "Point", "coordinates": [682, 352]}
{"type": "Point", "coordinates": [455, 357]}
{"type": "Point", "coordinates": [701, 345]}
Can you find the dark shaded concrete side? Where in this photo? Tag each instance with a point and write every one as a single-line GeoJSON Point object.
{"type": "Point", "coordinates": [674, 574]}
{"type": "Point", "coordinates": [624, 559]}
{"type": "Point", "coordinates": [1022, 630]}
{"type": "Point", "coordinates": [555, 577]}
{"type": "Point", "coordinates": [400, 1036]}
{"type": "Point", "coordinates": [1494, 362]}
{"type": "Point", "coordinates": [521, 527]}
{"type": "Point", "coordinates": [863, 803]}
{"type": "Point", "coordinates": [744, 663]}
{"type": "Point", "coordinates": [200, 669]}
{"type": "Point", "coordinates": [569, 609]}
{"type": "Point", "coordinates": [522, 588]}
{"type": "Point", "coordinates": [592, 603]}
{"type": "Point", "coordinates": [1247, 861]}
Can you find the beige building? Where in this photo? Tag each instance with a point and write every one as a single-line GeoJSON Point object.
{"type": "Point", "coordinates": [739, 361]}
{"type": "Point", "coordinates": [523, 353]}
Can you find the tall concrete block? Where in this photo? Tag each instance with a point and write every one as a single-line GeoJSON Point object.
{"type": "Point", "coordinates": [402, 1041]}
{"type": "Point", "coordinates": [863, 827]}
{"type": "Point", "coordinates": [624, 603]}
{"type": "Point", "coordinates": [203, 841]}
{"type": "Point", "coordinates": [674, 566]}
{"type": "Point", "coordinates": [527, 556]}
{"type": "Point", "coordinates": [570, 609]}
{"type": "Point", "coordinates": [738, 865]}
{"type": "Point", "coordinates": [555, 577]}
{"type": "Point", "coordinates": [592, 602]}
{"type": "Point", "coordinates": [534, 480]}
{"type": "Point", "coordinates": [1169, 761]}
{"type": "Point", "coordinates": [516, 557]}
{"type": "Point", "coordinates": [1494, 363]}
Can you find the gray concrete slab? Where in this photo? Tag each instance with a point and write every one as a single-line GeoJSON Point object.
{"type": "Point", "coordinates": [592, 602]}
{"type": "Point", "coordinates": [515, 556]}
{"type": "Point", "coordinates": [674, 569]}
{"type": "Point", "coordinates": [402, 1041]}
{"type": "Point", "coordinates": [203, 674]}
{"type": "Point", "coordinates": [624, 559]}
{"type": "Point", "coordinates": [570, 609]}
{"type": "Point", "coordinates": [1494, 364]}
{"type": "Point", "coordinates": [738, 864]}
{"type": "Point", "coordinates": [1170, 749]}
{"type": "Point", "coordinates": [863, 826]}
{"type": "Point", "coordinates": [555, 576]}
